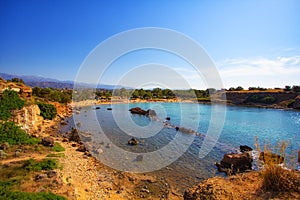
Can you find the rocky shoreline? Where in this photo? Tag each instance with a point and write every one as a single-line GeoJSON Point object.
{"type": "Point", "coordinates": [81, 176]}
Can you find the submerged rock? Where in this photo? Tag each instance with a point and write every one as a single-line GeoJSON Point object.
{"type": "Point", "coordinates": [233, 163]}
{"type": "Point", "coordinates": [133, 141]}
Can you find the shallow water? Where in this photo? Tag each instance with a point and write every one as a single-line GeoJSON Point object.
{"type": "Point", "coordinates": [241, 127]}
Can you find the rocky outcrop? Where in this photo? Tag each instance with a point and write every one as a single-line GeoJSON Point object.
{"type": "Point", "coordinates": [245, 148]}
{"type": "Point", "coordinates": [241, 97]}
{"type": "Point", "coordinates": [235, 163]}
{"type": "Point", "coordinates": [210, 189]}
{"type": "Point", "coordinates": [138, 110]}
{"type": "Point", "coordinates": [296, 104]}
{"type": "Point", "coordinates": [28, 118]}
{"type": "Point", "coordinates": [74, 136]}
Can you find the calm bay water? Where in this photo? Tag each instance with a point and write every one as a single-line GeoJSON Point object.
{"type": "Point", "coordinates": [242, 125]}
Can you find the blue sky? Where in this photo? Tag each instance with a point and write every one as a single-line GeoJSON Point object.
{"type": "Point", "coordinates": [253, 43]}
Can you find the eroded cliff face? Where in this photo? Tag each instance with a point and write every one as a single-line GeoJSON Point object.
{"type": "Point", "coordinates": [29, 119]}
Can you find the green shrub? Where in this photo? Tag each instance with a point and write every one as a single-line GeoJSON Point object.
{"type": "Point", "coordinates": [56, 155]}
{"type": "Point", "coordinates": [261, 98]}
{"type": "Point", "coordinates": [9, 101]}
{"type": "Point", "coordinates": [50, 94]}
{"type": "Point", "coordinates": [48, 111]}
{"type": "Point", "coordinates": [45, 164]}
{"type": "Point", "coordinates": [31, 196]}
{"type": "Point", "coordinates": [268, 100]}
{"type": "Point", "coordinates": [7, 193]}
{"type": "Point", "coordinates": [13, 134]}
{"type": "Point", "coordinates": [57, 147]}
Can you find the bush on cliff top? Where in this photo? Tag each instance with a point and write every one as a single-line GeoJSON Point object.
{"type": "Point", "coordinates": [48, 111]}
{"type": "Point", "coordinates": [13, 134]}
{"type": "Point", "coordinates": [9, 101]}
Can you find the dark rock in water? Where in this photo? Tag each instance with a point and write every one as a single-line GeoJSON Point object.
{"type": "Point", "coordinates": [271, 158]}
{"type": "Point", "coordinates": [177, 128]}
{"type": "Point", "coordinates": [81, 148]}
{"type": "Point", "coordinates": [133, 141]}
{"type": "Point", "coordinates": [168, 118]}
{"type": "Point", "coordinates": [138, 110]}
{"type": "Point", "coordinates": [151, 113]}
{"type": "Point", "coordinates": [244, 148]}
{"type": "Point", "coordinates": [298, 156]}
{"type": "Point", "coordinates": [185, 130]}
{"type": "Point", "coordinates": [48, 142]}
{"type": "Point", "coordinates": [233, 163]}
{"type": "Point", "coordinates": [74, 135]}
{"type": "Point", "coordinates": [97, 108]}
{"type": "Point", "coordinates": [109, 108]}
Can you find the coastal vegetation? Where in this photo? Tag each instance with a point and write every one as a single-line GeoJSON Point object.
{"type": "Point", "coordinates": [51, 94]}
{"type": "Point", "coordinates": [9, 101]}
{"type": "Point", "coordinates": [48, 111]}
{"type": "Point", "coordinates": [45, 164]}
{"type": "Point", "coordinates": [14, 135]}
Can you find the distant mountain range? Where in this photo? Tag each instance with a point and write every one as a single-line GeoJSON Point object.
{"type": "Point", "coordinates": [39, 81]}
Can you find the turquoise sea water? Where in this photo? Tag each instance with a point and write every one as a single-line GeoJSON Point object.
{"type": "Point", "coordinates": [242, 125]}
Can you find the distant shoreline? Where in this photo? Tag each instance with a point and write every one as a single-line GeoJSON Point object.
{"type": "Point", "coordinates": [125, 101]}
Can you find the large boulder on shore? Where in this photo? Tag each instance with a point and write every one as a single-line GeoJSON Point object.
{"type": "Point", "coordinates": [74, 135]}
{"type": "Point", "coordinates": [245, 148]}
{"type": "Point", "coordinates": [48, 141]}
{"type": "Point", "coordinates": [233, 163]}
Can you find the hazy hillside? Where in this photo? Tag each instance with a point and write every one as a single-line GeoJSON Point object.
{"type": "Point", "coordinates": [39, 81]}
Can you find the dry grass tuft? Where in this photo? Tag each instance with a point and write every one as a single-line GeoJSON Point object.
{"type": "Point", "coordinates": [277, 179]}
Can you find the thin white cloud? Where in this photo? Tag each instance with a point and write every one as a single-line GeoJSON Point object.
{"type": "Point", "coordinates": [259, 71]}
